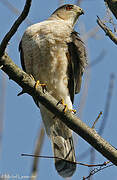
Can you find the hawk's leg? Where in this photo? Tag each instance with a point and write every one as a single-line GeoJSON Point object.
{"type": "Point", "coordinates": [65, 106]}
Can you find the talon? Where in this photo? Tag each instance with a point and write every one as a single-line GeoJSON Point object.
{"type": "Point", "coordinates": [73, 110]}
{"type": "Point", "coordinates": [65, 105]}
{"type": "Point", "coordinates": [44, 87]}
{"type": "Point", "coordinates": [37, 84]}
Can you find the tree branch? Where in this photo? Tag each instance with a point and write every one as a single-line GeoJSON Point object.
{"type": "Point", "coordinates": [28, 85]}
{"type": "Point", "coordinates": [107, 30]}
{"type": "Point", "coordinates": [38, 148]}
{"type": "Point", "coordinates": [112, 4]}
{"type": "Point", "coordinates": [15, 27]}
{"type": "Point", "coordinates": [74, 123]}
{"type": "Point", "coordinates": [14, 10]}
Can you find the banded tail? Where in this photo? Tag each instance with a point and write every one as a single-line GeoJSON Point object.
{"type": "Point", "coordinates": [62, 143]}
{"type": "Point", "coordinates": [63, 147]}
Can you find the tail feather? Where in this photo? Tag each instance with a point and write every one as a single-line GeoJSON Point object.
{"type": "Point", "coordinates": [62, 143]}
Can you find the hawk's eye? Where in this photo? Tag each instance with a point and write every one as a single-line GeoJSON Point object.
{"type": "Point", "coordinates": [69, 7]}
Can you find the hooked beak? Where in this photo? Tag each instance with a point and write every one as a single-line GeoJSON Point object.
{"type": "Point", "coordinates": [82, 12]}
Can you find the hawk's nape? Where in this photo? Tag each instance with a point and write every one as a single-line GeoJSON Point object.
{"type": "Point", "coordinates": [53, 53]}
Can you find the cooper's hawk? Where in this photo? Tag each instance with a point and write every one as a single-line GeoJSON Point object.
{"type": "Point", "coordinates": [53, 53]}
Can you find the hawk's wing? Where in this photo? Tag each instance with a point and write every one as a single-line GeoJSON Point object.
{"type": "Point", "coordinates": [22, 56]}
{"type": "Point", "coordinates": [77, 62]}
{"type": "Point", "coordinates": [24, 67]}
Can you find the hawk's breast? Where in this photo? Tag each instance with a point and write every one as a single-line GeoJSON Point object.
{"type": "Point", "coordinates": [45, 46]}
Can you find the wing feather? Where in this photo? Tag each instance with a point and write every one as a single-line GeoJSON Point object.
{"type": "Point", "coordinates": [22, 56]}
{"type": "Point", "coordinates": [77, 63]}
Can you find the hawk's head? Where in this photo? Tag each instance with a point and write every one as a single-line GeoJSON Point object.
{"type": "Point", "coordinates": [68, 12]}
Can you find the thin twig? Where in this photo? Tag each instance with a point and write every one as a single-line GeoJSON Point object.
{"type": "Point", "coordinates": [92, 160]}
{"type": "Point", "coordinates": [91, 33]}
{"type": "Point", "coordinates": [96, 119]}
{"type": "Point", "coordinates": [38, 148]}
{"type": "Point", "coordinates": [78, 2]}
{"type": "Point", "coordinates": [92, 150]}
{"type": "Point", "coordinates": [61, 2]}
{"type": "Point", "coordinates": [13, 9]}
{"type": "Point", "coordinates": [98, 59]}
{"type": "Point", "coordinates": [108, 103]}
{"type": "Point", "coordinates": [107, 30]}
{"type": "Point", "coordinates": [96, 170]}
{"type": "Point", "coordinates": [2, 106]}
{"type": "Point", "coordinates": [15, 26]}
{"type": "Point", "coordinates": [72, 162]}
{"type": "Point", "coordinates": [112, 4]}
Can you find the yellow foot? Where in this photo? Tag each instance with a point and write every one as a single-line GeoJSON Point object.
{"type": "Point", "coordinates": [73, 110]}
{"type": "Point", "coordinates": [42, 85]}
{"type": "Point", "coordinates": [65, 106]}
